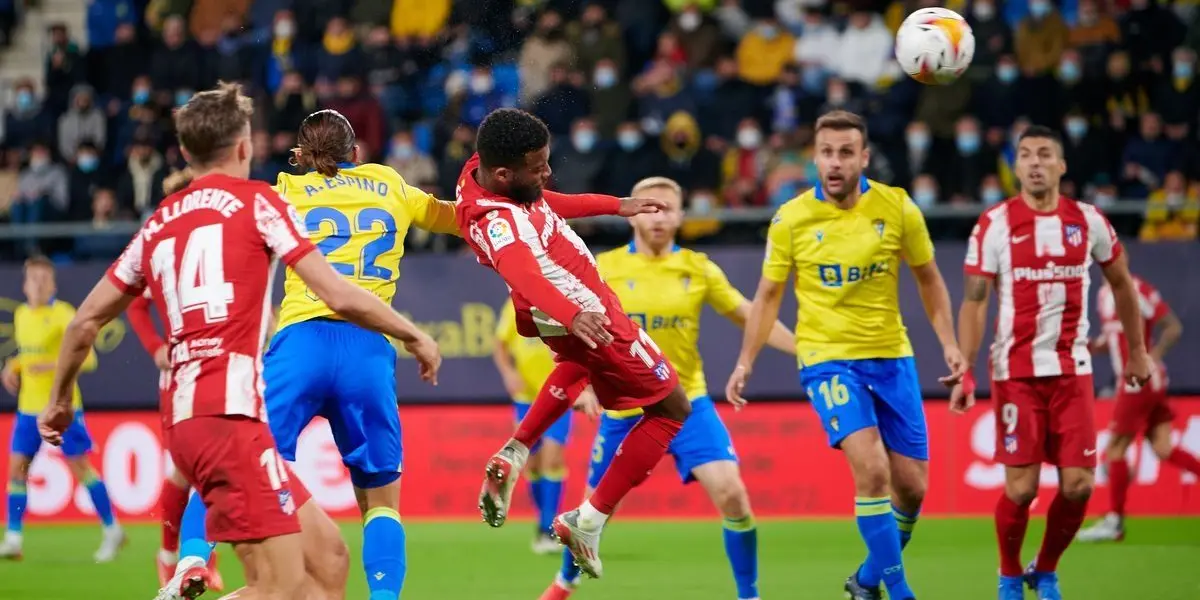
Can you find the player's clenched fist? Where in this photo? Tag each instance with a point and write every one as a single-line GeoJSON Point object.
{"type": "Point", "coordinates": [590, 327]}
{"type": "Point", "coordinates": [735, 385]}
{"type": "Point", "coordinates": [54, 420]}
{"type": "Point", "coordinates": [428, 355]}
{"type": "Point", "coordinates": [1138, 368]}
{"type": "Point", "coordinates": [637, 206]}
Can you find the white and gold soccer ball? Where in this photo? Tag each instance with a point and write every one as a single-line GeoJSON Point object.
{"type": "Point", "coordinates": [935, 45]}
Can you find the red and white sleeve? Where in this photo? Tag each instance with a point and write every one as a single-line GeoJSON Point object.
{"type": "Point", "coordinates": [126, 273]}
{"type": "Point", "coordinates": [577, 206]}
{"type": "Point", "coordinates": [280, 227]}
{"type": "Point", "coordinates": [983, 247]}
{"type": "Point", "coordinates": [516, 252]}
{"type": "Point", "coordinates": [1102, 238]}
{"type": "Point", "coordinates": [143, 324]}
{"type": "Point", "coordinates": [1151, 302]}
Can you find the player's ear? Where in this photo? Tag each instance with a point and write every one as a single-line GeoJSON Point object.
{"type": "Point", "coordinates": [187, 156]}
{"type": "Point", "coordinates": [355, 154]}
{"type": "Point", "coordinates": [866, 152]}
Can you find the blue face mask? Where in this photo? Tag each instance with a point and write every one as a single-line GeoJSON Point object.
{"type": "Point", "coordinates": [584, 140]}
{"type": "Point", "coordinates": [991, 196]}
{"type": "Point", "coordinates": [924, 197]}
{"type": "Point", "coordinates": [1183, 70]}
{"type": "Point", "coordinates": [605, 78]}
{"type": "Point", "coordinates": [181, 97]}
{"type": "Point", "coordinates": [1039, 9]}
{"type": "Point", "coordinates": [1069, 71]}
{"type": "Point", "coordinates": [968, 143]}
{"type": "Point", "coordinates": [767, 31]}
{"type": "Point", "coordinates": [629, 140]}
{"type": "Point", "coordinates": [1006, 73]}
{"type": "Point", "coordinates": [812, 79]}
{"type": "Point", "coordinates": [141, 96]}
{"type": "Point", "coordinates": [918, 141]}
{"type": "Point", "coordinates": [88, 162]}
{"type": "Point", "coordinates": [402, 151]}
{"type": "Point", "coordinates": [1076, 128]}
{"type": "Point", "coordinates": [24, 100]}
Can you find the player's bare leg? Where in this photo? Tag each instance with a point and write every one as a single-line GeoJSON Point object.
{"type": "Point", "coordinates": [384, 553]}
{"type": "Point", "coordinates": [1012, 521]}
{"type": "Point", "coordinates": [579, 530]}
{"type": "Point", "coordinates": [722, 481]}
{"type": "Point", "coordinates": [326, 558]}
{"type": "Point", "coordinates": [273, 569]}
{"type": "Point", "coordinates": [18, 476]}
{"type": "Point", "coordinates": [871, 469]}
{"type": "Point", "coordinates": [551, 468]}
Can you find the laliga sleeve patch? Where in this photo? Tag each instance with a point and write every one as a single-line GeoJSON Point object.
{"type": "Point", "coordinates": [500, 234]}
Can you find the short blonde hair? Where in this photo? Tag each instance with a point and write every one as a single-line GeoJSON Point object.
{"type": "Point", "coordinates": [211, 122]}
{"type": "Point", "coordinates": [651, 183]}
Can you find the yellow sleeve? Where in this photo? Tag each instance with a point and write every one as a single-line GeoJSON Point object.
{"type": "Point", "coordinates": [777, 264]}
{"type": "Point", "coordinates": [914, 241]}
{"type": "Point", "coordinates": [429, 213]}
{"type": "Point", "coordinates": [506, 326]}
{"type": "Point", "coordinates": [722, 296]}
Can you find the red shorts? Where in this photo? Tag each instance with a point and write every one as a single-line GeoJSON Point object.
{"type": "Point", "coordinates": [628, 373]}
{"type": "Point", "coordinates": [1045, 419]}
{"type": "Point", "coordinates": [1140, 411]}
{"type": "Point", "coordinates": [250, 492]}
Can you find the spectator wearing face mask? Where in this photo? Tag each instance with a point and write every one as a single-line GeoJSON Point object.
{"type": "Point", "coordinates": [918, 156]}
{"type": "Point", "coordinates": [611, 98]}
{"type": "Point", "coordinates": [997, 102]}
{"type": "Point", "coordinates": [819, 42]}
{"type": "Point", "coordinates": [1150, 32]}
{"type": "Point", "coordinates": [24, 119]}
{"type": "Point", "coordinates": [971, 162]}
{"type": "Point", "coordinates": [1094, 35]}
{"type": "Point", "coordinates": [175, 64]}
{"type": "Point", "coordinates": [838, 97]}
{"type": "Point", "coordinates": [578, 161]}
{"type": "Point", "coordinates": [85, 177]}
{"type": "Point", "coordinates": [291, 104]}
{"type": "Point", "coordinates": [564, 102]}
{"type": "Point", "coordinates": [1087, 150]}
{"type": "Point", "coordinates": [415, 166]}
{"type": "Point", "coordinates": [84, 121]}
{"type": "Point", "coordinates": [1040, 39]}
{"type": "Point", "coordinates": [595, 37]}
{"type": "Point", "coordinates": [121, 63]}
{"type": "Point", "coordinates": [744, 166]}
{"type": "Point", "coordinates": [763, 52]}
{"type": "Point", "coordinates": [993, 39]}
{"type": "Point", "coordinates": [1172, 212]}
{"type": "Point", "coordinates": [730, 101]}
{"type": "Point", "coordinates": [633, 159]}
{"type": "Point", "coordinates": [689, 162]}
{"type": "Point", "coordinates": [990, 191]}
{"type": "Point", "coordinates": [1075, 92]}
{"type": "Point", "coordinates": [42, 193]}
{"type": "Point", "coordinates": [1178, 96]}
{"type": "Point", "coordinates": [546, 48]}
{"type": "Point", "coordinates": [925, 191]}
{"type": "Point", "coordinates": [339, 54]}
{"type": "Point", "coordinates": [699, 36]}
{"type": "Point", "coordinates": [140, 185]}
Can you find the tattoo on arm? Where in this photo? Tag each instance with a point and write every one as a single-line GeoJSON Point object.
{"type": "Point", "coordinates": [977, 288]}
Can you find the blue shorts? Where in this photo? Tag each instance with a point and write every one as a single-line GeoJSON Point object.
{"type": "Point", "coordinates": [559, 432]}
{"type": "Point", "coordinates": [850, 395]}
{"type": "Point", "coordinates": [26, 440]}
{"type": "Point", "coordinates": [702, 440]}
{"type": "Point", "coordinates": [346, 374]}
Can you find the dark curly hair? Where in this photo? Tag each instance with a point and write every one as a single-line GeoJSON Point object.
{"type": "Point", "coordinates": [325, 139]}
{"type": "Point", "coordinates": [507, 135]}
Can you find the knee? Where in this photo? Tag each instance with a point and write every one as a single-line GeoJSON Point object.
{"type": "Point", "coordinates": [1117, 446]}
{"type": "Point", "coordinates": [1162, 447]}
{"type": "Point", "coordinates": [873, 480]}
{"type": "Point", "coordinates": [732, 499]}
{"type": "Point", "coordinates": [910, 491]}
{"type": "Point", "coordinates": [82, 470]}
{"type": "Point", "coordinates": [1077, 489]}
{"type": "Point", "coordinates": [337, 567]}
{"type": "Point", "coordinates": [1021, 492]}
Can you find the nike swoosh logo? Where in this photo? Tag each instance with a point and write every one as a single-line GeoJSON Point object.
{"type": "Point", "coordinates": [1017, 239]}
{"type": "Point", "coordinates": [1091, 452]}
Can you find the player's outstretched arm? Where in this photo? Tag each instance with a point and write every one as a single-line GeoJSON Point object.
{"type": "Point", "coordinates": [576, 206]}
{"type": "Point", "coordinates": [936, 299]}
{"type": "Point", "coordinates": [366, 310]}
{"type": "Point", "coordinates": [105, 303]}
{"type": "Point", "coordinates": [764, 313]}
{"type": "Point", "coordinates": [1125, 296]}
{"type": "Point", "coordinates": [972, 319]}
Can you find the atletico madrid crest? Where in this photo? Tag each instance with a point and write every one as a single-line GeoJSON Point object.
{"type": "Point", "coordinates": [1074, 234]}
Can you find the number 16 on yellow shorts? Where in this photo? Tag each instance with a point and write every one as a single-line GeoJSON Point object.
{"type": "Point", "coordinates": [852, 395]}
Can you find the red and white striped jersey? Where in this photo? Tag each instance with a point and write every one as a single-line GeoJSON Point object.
{"type": "Point", "coordinates": [208, 257]}
{"type": "Point", "coordinates": [1040, 263]}
{"type": "Point", "coordinates": [1152, 308]}
{"type": "Point", "coordinates": [550, 273]}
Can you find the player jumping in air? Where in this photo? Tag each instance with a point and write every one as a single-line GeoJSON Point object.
{"type": "Point", "coordinates": [358, 217]}
{"type": "Point", "coordinates": [518, 229]}
{"type": "Point", "coordinates": [39, 324]}
{"type": "Point", "coordinates": [207, 255]}
{"type": "Point", "coordinates": [1142, 409]}
{"type": "Point", "coordinates": [524, 365]}
{"type": "Point", "coordinates": [845, 239]}
{"type": "Point", "coordinates": [664, 288]}
{"type": "Point", "coordinates": [1036, 250]}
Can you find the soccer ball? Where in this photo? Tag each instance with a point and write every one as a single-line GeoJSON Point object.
{"type": "Point", "coordinates": [935, 45]}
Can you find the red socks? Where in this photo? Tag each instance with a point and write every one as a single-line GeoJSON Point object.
{"type": "Point", "coordinates": [1012, 520]}
{"type": "Point", "coordinates": [637, 456]}
{"type": "Point", "coordinates": [172, 502]}
{"type": "Point", "coordinates": [1118, 483]}
{"type": "Point", "coordinates": [1184, 461]}
{"type": "Point", "coordinates": [552, 402]}
{"type": "Point", "coordinates": [1063, 521]}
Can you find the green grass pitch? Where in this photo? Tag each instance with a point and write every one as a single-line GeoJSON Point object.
{"type": "Point", "coordinates": [949, 559]}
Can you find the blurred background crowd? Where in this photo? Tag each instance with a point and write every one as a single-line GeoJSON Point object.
{"type": "Point", "coordinates": [717, 94]}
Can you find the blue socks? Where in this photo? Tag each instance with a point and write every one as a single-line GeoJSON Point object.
{"type": "Point", "coordinates": [741, 546]}
{"type": "Point", "coordinates": [881, 533]}
{"type": "Point", "coordinates": [569, 573]}
{"type": "Point", "coordinates": [535, 493]}
{"type": "Point", "coordinates": [18, 499]}
{"type": "Point", "coordinates": [100, 501]}
{"type": "Point", "coordinates": [549, 494]}
{"type": "Point", "coordinates": [384, 558]}
{"type": "Point", "coordinates": [905, 522]}
{"type": "Point", "coordinates": [192, 531]}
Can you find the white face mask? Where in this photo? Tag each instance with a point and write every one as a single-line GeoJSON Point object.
{"type": "Point", "coordinates": [285, 29]}
{"type": "Point", "coordinates": [984, 11]}
{"type": "Point", "coordinates": [481, 84]}
{"type": "Point", "coordinates": [702, 204]}
{"type": "Point", "coordinates": [689, 21]}
{"type": "Point", "coordinates": [749, 139]}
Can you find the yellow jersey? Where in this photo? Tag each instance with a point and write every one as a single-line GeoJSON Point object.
{"type": "Point", "coordinates": [534, 360]}
{"type": "Point", "coordinates": [38, 335]}
{"type": "Point", "coordinates": [847, 270]}
{"type": "Point", "coordinates": [666, 296]}
{"type": "Point", "coordinates": [358, 220]}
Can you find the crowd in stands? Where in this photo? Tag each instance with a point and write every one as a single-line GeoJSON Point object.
{"type": "Point", "coordinates": [717, 94]}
